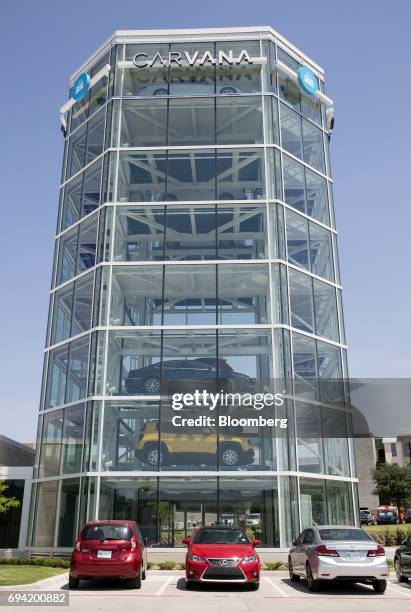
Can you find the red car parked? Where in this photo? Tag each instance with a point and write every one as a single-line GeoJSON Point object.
{"type": "Point", "coordinates": [112, 549]}
{"type": "Point", "coordinates": [222, 554]}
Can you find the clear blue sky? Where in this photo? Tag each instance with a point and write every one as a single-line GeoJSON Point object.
{"type": "Point", "coordinates": [364, 47]}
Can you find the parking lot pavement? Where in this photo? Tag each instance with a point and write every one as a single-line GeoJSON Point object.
{"type": "Point", "coordinates": [166, 592]}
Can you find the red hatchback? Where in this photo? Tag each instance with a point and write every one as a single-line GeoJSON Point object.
{"type": "Point", "coordinates": [222, 554]}
{"type": "Point", "coordinates": [112, 549]}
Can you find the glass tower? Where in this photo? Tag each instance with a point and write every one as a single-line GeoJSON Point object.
{"type": "Point", "coordinates": [195, 241]}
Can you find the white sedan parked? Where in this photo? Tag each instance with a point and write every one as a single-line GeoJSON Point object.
{"type": "Point", "coordinates": [340, 553]}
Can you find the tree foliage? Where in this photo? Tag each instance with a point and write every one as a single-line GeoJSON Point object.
{"type": "Point", "coordinates": [6, 502]}
{"type": "Point", "coordinates": [393, 482]}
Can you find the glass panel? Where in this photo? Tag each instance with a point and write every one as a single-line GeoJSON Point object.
{"type": "Point", "coordinates": [242, 232]}
{"type": "Point", "coordinates": [73, 438]}
{"type": "Point", "coordinates": [131, 436]}
{"type": "Point", "coordinates": [294, 184]}
{"type": "Point", "coordinates": [62, 312]}
{"type": "Point", "coordinates": [143, 123]}
{"type": "Point", "coordinates": [131, 499]}
{"type": "Point", "coordinates": [321, 252]}
{"type": "Point", "coordinates": [313, 146]}
{"type": "Point", "coordinates": [336, 442]}
{"type": "Point", "coordinates": [67, 256]}
{"type": "Point", "coordinates": [92, 186]}
{"type": "Point", "coordinates": [313, 502]}
{"type": "Point", "coordinates": [69, 506]}
{"type": "Point", "coordinates": [45, 517]}
{"type": "Point", "coordinates": [139, 233]}
{"type": "Point", "coordinates": [317, 201]}
{"type": "Point", "coordinates": [134, 363]}
{"type": "Point", "coordinates": [142, 177]}
{"type": "Point", "coordinates": [288, 89]}
{"type": "Point", "coordinates": [309, 438]}
{"type": "Point", "coordinates": [72, 202]}
{"type": "Point", "coordinates": [339, 503]}
{"type": "Point", "coordinates": [57, 376]}
{"type": "Point", "coordinates": [311, 107]}
{"type": "Point", "coordinates": [305, 367]}
{"type": "Point", "coordinates": [194, 80]}
{"type": "Point", "coordinates": [301, 300]}
{"type": "Point", "coordinates": [83, 302]}
{"type": "Point", "coordinates": [77, 151]}
{"type": "Point", "coordinates": [87, 244]}
{"type": "Point", "coordinates": [251, 503]}
{"type": "Point", "coordinates": [136, 295]}
{"type": "Point", "coordinates": [240, 174]}
{"type": "Point", "coordinates": [78, 369]}
{"type": "Point", "coordinates": [297, 240]}
{"type": "Point", "coordinates": [95, 136]}
{"type": "Point", "coordinates": [291, 134]}
{"type": "Point", "coordinates": [239, 120]}
{"type": "Point", "coordinates": [51, 444]}
{"type": "Point", "coordinates": [248, 354]}
{"type": "Point", "coordinates": [243, 294]}
{"type": "Point", "coordinates": [145, 80]}
{"type": "Point", "coordinates": [91, 437]}
{"type": "Point", "coordinates": [325, 306]}
{"type": "Point", "coordinates": [98, 93]}
{"type": "Point", "coordinates": [185, 504]}
{"type": "Point", "coordinates": [190, 295]}
{"type": "Point", "coordinates": [289, 508]}
{"type": "Point", "coordinates": [239, 78]}
{"type": "Point", "coordinates": [191, 122]}
{"type": "Point", "coordinates": [330, 371]}
{"type": "Point", "coordinates": [191, 175]}
{"type": "Point", "coordinates": [190, 233]}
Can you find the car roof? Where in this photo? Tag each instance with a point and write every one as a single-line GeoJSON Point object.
{"type": "Point", "coordinates": [219, 527]}
{"type": "Point", "coordinates": [109, 522]}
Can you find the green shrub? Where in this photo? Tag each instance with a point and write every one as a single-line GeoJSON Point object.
{"type": "Point", "coordinates": [167, 565]}
{"type": "Point", "coordinates": [150, 565]}
{"type": "Point", "coordinates": [273, 565]}
{"type": "Point", "coordinates": [181, 566]}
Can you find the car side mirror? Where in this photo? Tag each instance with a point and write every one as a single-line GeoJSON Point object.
{"type": "Point", "coordinates": [404, 543]}
{"type": "Point", "coordinates": [256, 543]}
{"type": "Point", "coordinates": [186, 541]}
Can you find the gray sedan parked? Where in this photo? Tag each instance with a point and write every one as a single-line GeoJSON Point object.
{"type": "Point", "coordinates": [340, 553]}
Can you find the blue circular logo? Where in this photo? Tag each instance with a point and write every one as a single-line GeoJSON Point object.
{"type": "Point", "coordinates": [307, 80]}
{"type": "Point", "coordinates": [80, 86]}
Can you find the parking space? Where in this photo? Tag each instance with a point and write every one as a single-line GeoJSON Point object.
{"type": "Point", "coordinates": [166, 591]}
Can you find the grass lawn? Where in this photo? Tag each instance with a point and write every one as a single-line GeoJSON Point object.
{"type": "Point", "coordinates": [373, 528]}
{"type": "Point", "coordinates": [25, 574]}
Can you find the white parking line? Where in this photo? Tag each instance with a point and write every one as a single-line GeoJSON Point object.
{"type": "Point", "coordinates": [164, 586]}
{"type": "Point", "coordinates": [276, 587]}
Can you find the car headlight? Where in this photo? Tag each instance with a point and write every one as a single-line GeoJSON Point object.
{"type": "Point", "coordinates": [250, 559]}
{"type": "Point", "coordinates": [197, 558]}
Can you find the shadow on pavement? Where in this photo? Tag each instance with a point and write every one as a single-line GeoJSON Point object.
{"type": "Point", "coordinates": [100, 584]}
{"type": "Point", "coordinates": [332, 588]}
{"type": "Point", "coordinates": [212, 587]}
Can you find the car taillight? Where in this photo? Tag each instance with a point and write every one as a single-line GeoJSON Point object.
{"type": "Point", "coordinates": [379, 551]}
{"type": "Point", "coordinates": [133, 545]}
{"type": "Point", "coordinates": [78, 544]}
{"type": "Point", "coordinates": [326, 552]}
{"type": "Point", "coordinates": [81, 548]}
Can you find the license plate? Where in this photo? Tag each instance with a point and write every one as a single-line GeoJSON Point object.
{"type": "Point", "coordinates": [353, 554]}
{"type": "Point", "coordinates": [104, 554]}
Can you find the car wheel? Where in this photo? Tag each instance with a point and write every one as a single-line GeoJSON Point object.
{"type": "Point", "coordinates": [227, 90]}
{"type": "Point", "coordinates": [152, 385]}
{"type": "Point", "coordinates": [254, 586]}
{"type": "Point", "coordinates": [136, 582]}
{"type": "Point", "coordinates": [293, 577]}
{"type": "Point", "coordinates": [144, 574]}
{"type": "Point", "coordinates": [312, 583]}
{"type": "Point", "coordinates": [73, 582]}
{"type": "Point", "coordinates": [153, 456]}
{"type": "Point", "coordinates": [398, 572]}
{"type": "Point", "coordinates": [229, 456]}
{"type": "Point", "coordinates": [190, 585]}
{"type": "Point", "coordinates": [380, 586]}
{"type": "Point", "coordinates": [162, 91]}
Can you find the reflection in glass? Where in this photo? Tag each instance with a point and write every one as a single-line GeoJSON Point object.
{"type": "Point", "coordinates": [142, 177]}
{"type": "Point", "coordinates": [45, 513]}
{"type": "Point", "coordinates": [191, 122]}
{"type": "Point", "coordinates": [242, 232]}
{"type": "Point", "coordinates": [73, 439]}
{"type": "Point", "coordinates": [68, 512]}
{"type": "Point", "coordinates": [49, 462]}
{"type": "Point", "coordinates": [143, 123]}
{"type": "Point", "coordinates": [301, 301]}
{"type": "Point", "coordinates": [240, 174]}
{"type": "Point", "coordinates": [139, 233]}
{"type": "Point", "coordinates": [239, 120]}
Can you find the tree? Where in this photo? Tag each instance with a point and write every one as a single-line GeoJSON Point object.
{"type": "Point", "coordinates": [6, 502]}
{"type": "Point", "coordinates": [394, 483]}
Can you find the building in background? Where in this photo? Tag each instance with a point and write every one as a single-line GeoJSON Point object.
{"type": "Point", "coordinates": [195, 241]}
{"type": "Point", "coordinates": [16, 469]}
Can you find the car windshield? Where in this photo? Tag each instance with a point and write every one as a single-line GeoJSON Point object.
{"type": "Point", "coordinates": [107, 532]}
{"type": "Point", "coordinates": [335, 535]}
{"type": "Point", "coordinates": [221, 536]}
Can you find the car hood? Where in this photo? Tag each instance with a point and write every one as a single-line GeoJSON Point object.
{"type": "Point", "coordinates": [216, 551]}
